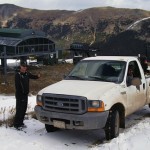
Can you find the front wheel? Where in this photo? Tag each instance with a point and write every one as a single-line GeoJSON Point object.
{"type": "Point", "coordinates": [112, 125]}
{"type": "Point", "coordinates": [50, 128]}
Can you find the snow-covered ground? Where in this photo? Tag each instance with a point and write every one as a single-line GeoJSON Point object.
{"type": "Point", "coordinates": [136, 136]}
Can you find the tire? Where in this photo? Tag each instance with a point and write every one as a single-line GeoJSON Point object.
{"type": "Point", "coordinates": [50, 128]}
{"type": "Point", "coordinates": [112, 125]}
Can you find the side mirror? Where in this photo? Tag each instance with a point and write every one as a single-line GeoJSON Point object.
{"type": "Point", "coordinates": [136, 82]}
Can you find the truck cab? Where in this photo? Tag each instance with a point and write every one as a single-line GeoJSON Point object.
{"type": "Point", "coordinates": [97, 93]}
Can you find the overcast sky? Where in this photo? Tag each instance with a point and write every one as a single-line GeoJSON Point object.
{"type": "Point", "coordinates": [78, 4]}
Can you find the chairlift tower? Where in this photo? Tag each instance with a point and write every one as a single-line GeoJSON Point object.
{"type": "Point", "coordinates": [22, 43]}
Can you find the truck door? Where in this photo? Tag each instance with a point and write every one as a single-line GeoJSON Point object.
{"type": "Point", "coordinates": [136, 96]}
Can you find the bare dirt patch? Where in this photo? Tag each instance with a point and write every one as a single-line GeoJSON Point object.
{"type": "Point", "coordinates": [49, 75]}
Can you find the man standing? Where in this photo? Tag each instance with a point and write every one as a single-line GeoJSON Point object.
{"type": "Point", "coordinates": [22, 89]}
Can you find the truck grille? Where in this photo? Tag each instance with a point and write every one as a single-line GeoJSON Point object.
{"type": "Point", "coordinates": [64, 103]}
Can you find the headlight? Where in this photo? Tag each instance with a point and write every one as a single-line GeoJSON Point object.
{"type": "Point", "coordinates": [95, 105]}
{"type": "Point", "coordinates": [39, 100]}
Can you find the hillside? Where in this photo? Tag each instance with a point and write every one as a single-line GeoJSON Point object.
{"type": "Point", "coordinates": [64, 27]}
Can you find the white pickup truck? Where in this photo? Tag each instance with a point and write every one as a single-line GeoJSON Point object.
{"type": "Point", "coordinates": [95, 94]}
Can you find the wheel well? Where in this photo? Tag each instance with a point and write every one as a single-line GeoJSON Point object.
{"type": "Point", "coordinates": [121, 111]}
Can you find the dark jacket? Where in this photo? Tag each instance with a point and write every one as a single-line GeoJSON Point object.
{"type": "Point", "coordinates": [22, 82]}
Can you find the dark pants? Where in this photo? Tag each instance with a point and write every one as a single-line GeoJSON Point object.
{"type": "Point", "coordinates": [21, 107]}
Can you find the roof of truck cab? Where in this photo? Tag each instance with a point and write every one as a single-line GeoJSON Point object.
{"type": "Point", "coordinates": [119, 58]}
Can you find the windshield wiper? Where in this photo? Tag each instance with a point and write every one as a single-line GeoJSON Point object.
{"type": "Point", "coordinates": [97, 78]}
{"type": "Point", "coordinates": [76, 77]}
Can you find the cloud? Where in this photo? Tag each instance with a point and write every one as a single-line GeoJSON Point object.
{"type": "Point", "coordinates": [79, 4]}
{"type": "Point", "coordinates": [141, 4]}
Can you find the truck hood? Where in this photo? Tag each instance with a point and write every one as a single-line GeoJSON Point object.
{"type": "Point", "coordinates": [89, 89]}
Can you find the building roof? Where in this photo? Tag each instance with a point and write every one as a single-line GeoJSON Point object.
{"type": "Point", "coordinates": [24, 42]}
{"type": "Point", "coordinates": [12, 37]}
{"type": "Point", "coordinates": [20, 33]}
{"type": "Point", "coordinates": [9, 41]}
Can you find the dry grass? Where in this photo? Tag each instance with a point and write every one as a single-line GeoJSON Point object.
{"type": "Point", "coordinates": [9, 121]}
{"type": "Point", "coordinates": [49, 75]}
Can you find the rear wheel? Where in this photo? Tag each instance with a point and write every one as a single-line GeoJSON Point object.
{"type": "Point", "coordinates": [112, 125]}
{"type": "Point", "coordinates": [50, 128]}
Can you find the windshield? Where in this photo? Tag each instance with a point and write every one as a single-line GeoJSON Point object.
{"type": "Point", "coordinates": [98, 70]}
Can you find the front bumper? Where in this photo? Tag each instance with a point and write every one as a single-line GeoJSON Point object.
{"type": "Point", "coordinates": [89, 120]}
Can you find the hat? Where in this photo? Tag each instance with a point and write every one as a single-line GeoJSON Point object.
{"type": "Point", "coordinates": [23, 63]}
